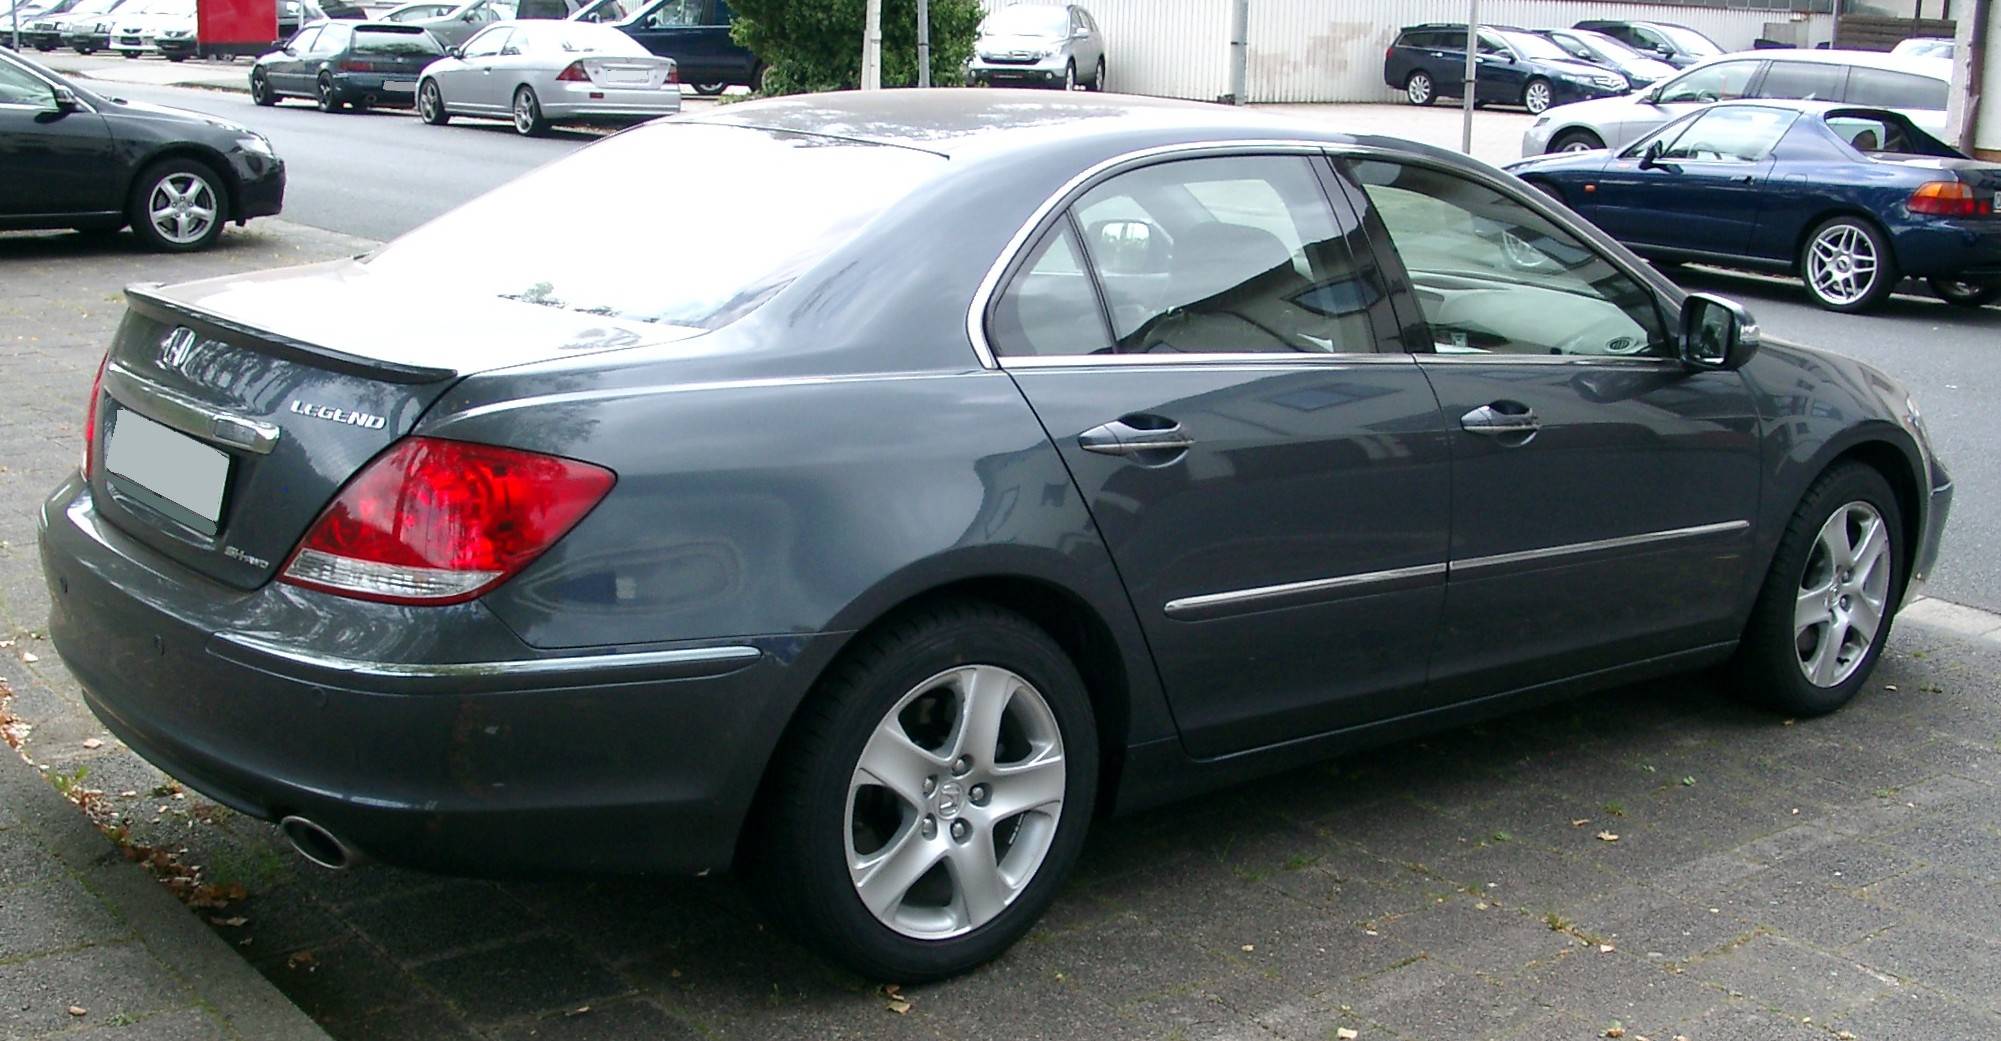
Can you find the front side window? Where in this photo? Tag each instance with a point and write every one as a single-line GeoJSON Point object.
{"type": "Point", "coordinates": [1885, 89]}
{"type": "Point", "coordinates": [1573, 46]}
{"type": "Point", "coordinates": [488, 43]}
{"type": "Point", "coordinates": [303, 42]}
{"type": "Point", "coordinates": [1804, 80]}
{"type": "Point", "coordinates": [1721, 82]}
{"type": "Point", "coordinates": [1230, 255]}
{"type": "Point", "coordinates": [1493, 276]}
{"type": "Point", "coordinates": [1742, 133]}
{"type": "Point", "coordinates": [19, 88]}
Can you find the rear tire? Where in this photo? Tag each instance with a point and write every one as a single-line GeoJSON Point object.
{"type": "Point", "coordinates": [1576, 141]}
{"type": "Point", "coordinates": [1848, 266]}
{"type": "Point", "coordinates": [528, 118]}
{"type": "Point", "coordinates": [956, 899]}
{"type": "Point", "coordinates": [710, 90]}
{"type": "Point", "coordinates": [1805, 651]}
{"type": "Point", "coordinates": [1418, 88]}
{"type": "Point", "coordinates": [178, 206]}
{"type": "Point", "coordinates": [1966, 294]}
{"type": "Point", "coordinates": [324, 95]}
{"type": "Point", "coordinates": [431, 104]}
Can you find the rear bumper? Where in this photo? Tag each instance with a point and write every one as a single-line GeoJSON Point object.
{"type": "Point", "coordinates": [376, 89]}
{"type": "Point", "coordinates": [1963, 248]}
{"type": "Point", "coordinates": [428, 737]}
{"type": "Point", "coordinates": [588, 101]}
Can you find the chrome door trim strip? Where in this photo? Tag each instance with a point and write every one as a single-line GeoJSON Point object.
{"type": "Point", "coordinates": [186, 414]}
{"type": "Point", "coordinates": [1596, 545]}
{"type": "Point", "coordinates": [683, 663]}
{"type": "Point", "coordinates": [1192, 605]}
{"type": "Point", "coordinates": [1634, 361]}
{"type": "Point", "coordinates": [1243, 360]}
{"type": "Point", "coordinates": [1193, 608]}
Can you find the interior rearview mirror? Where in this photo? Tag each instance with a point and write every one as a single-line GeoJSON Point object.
{"type": "Point", "coordinates": [1130, 247]}
{"type": "Point", "coordinates": [1716, 333]}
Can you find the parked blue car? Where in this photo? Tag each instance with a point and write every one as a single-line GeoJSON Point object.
{"type": "Point", "coordinates": [1515, 67]}
{"type": "Point", "coordinates": [1850, 199]}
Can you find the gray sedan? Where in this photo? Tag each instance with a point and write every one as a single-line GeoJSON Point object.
{"type": "Point", "coordinates": [536, 72]}
{"type": "Point", "coordinates": [1038, 45]}
{"type": "Point", "coordinates": [971, 465]}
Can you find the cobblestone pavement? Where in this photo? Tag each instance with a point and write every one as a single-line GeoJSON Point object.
{"type": "Point", "coordinates": [1769, 880]}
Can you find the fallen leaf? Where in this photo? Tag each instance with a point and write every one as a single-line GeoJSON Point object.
{"type": "Point", "coordinates": [78, 1010]}
{"type": "Point", "coordinates": [1892, 688]}
{"type": "Point", "coordinates": [93, 742]}
{"type": "Point", "coordinates": [1605, 948]}
{"type": "Point", "coordinates": [578, 1011]}
{"type": "Point", "coordinates": [1615, 1031]}
{"type": "Point", "coordinates": [1606, 836]}
{"type": "Point", "coordinates": [1580, 822]}
{"type": "Point", "coordinates": [128, 794]}
{"type": "Point", "coordinates": [1688, 782]}
{"type": "Point", "coordinates": [299, 959]}
{"type": "Point", "coordinates": [1249, 947]}
{"type": "Point", "coordinates": [1479, 905]}
{"type": "Point", "coordinates": [897, 1002]}
{"type": "Point", "coordinates": [30, 657]}
{"type": "Point", "coordinates": [236, 922]}
{"type": "Point", "coordinates": [1346, 1034]}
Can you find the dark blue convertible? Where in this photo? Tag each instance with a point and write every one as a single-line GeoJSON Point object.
{"type": "Point", "coordinates": [1849, 199]}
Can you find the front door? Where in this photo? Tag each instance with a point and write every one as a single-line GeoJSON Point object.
{"type": "Point", "coordinates": [1265, 463]}
{"type": "Point", "coordinates": [475, 84]}
{"type": "Point", "coordinates": [1602, 492]}
{"type": "Point", "coordinates": [287, 73]}
{"type": "Point", "coordinates": [1705, 190]}
{"type": "Point", "coordinates": [1502, 76]}
{"type": "Point", "coordinates": [57, 162]}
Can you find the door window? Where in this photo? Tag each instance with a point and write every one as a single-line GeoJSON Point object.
{"type": "Point", "coordinates": [1805, 80]}
{"type": "Point", "coordinates": [332, 39]}
{"type": "Point", "coordinates": [1238, 254]}
{"type": "Point", "coordinates": [1869, 134]}
{"type": "Point", "coordinates": [488, 43]}
{"type": "Point", "coordinates": [19, 88]}
{"type": "Point", "coordinates": [1051, 307]}
{"type": "Point", "coordinates": [1490, 45]}
{"type": "Point", "coordinates": [303, 43]}
{"type": "Point", "coordinates": [1572, 46]}
{"type": "Point", "coordinates": [675, 13]}
{"type": "Point", "coordinates": [1739, 133]}
{"type": "Point", "coordinates": [1720, 82]}
{"type": "Point", "coordinates": [1885, 89]}
{"type": "Point", "coordinates": [1493, 276]}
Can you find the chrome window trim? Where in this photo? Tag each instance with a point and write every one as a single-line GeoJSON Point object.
{"type": "Point", "coordinates": [1246, 359]}
{"type": "Point", "coordinates": [696, 656]}
{"type": "Point", "coordinates": [976, 315]}
{"type": "Point", "coordinates": [1183, 606]}
{"type": "Point", "coordinates": [1638, 361]}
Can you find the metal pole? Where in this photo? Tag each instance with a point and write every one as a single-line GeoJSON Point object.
{"type": "Point", "coordinates": [1834, 26]}
{"type": "Point", "coordinates": [1240, 48]}
{"type": "Point", "coordinates": [1472, 76]}
{"type": "Point", "coordinates": [16, 12]}
{"type": "Point", "coordinates": [872, 47]}
{"type": "Point", "coordinates": [923, 43]}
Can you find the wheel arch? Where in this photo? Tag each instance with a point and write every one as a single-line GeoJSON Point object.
{"type": "Point", "coordinates": [207, 156]}
{"type": "Point", "coordinates": [1892, 453]}
{"type": "Point", "coordinates": [1828, 213]}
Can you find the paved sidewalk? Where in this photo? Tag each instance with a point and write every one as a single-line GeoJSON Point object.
{"type": "Point", "coordinates": [155, 72]}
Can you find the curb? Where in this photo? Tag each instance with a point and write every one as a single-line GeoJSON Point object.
{"type": "Point", "coordinates": [199, 964]}
{"type": "Point", "coordinates": [1965, 621]}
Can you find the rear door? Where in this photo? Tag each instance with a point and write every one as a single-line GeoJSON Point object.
{"type": "Point", "coordinates": [1204, 340]}
{"type": "Point", "coordinates": [1602, 492]}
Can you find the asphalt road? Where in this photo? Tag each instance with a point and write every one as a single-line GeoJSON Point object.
{"type": "Point", "coordinates": [381, 173]}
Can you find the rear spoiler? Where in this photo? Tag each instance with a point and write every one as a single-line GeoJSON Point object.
{"type": "Point", "coordinates": [145, 298]}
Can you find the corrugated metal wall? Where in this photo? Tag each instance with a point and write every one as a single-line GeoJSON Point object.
{"type": "Point", "coordinates": [1332, 50]}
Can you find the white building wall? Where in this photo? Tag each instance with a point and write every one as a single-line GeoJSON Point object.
{"type": "Point", "coordinates": [1332, 50]}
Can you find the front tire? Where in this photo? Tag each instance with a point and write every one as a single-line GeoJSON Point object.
{"type": "Point", "coordinates": [1098, 77]}
{"type": "Point", "coordinates": [1418, 88]}
{"type": "Point", "coordinates": [1825, 610]}
{"type": "Point", "coordinates": [1848, 266]}
{"type": "Point", "coordinates": [528, 118]}
{"type": "Point", "coordinates": [932, 795]}
{"type": "Point", "coordinates": [260, 89]}
{"type": "Point", "coordinates": [1576, 141]}
{"type": "Point", "coordinates": [431, 104]}
{"type": "Point", "coordinates": [1070, 76]}
{"type": "Point", "coordinates": [178, 206]}
{"type": "Point", "coordinates": [1966, 294]}
{"type": "Point", "coordinates": [1537, 96]}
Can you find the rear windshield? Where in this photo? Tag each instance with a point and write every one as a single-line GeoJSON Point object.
{"type": "Point", "coordinates": [579, 38]}
{"type": "Point", "coordinates": [704, 244]}
{"type": "Point", "coordinates": [381, 39]}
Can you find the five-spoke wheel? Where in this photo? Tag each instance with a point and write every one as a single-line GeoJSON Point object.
{"type": "Point", "coordinates": [178, 205]}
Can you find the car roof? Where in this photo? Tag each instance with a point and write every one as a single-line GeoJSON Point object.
{"type": "Point", "coordinates": [1936, 68]}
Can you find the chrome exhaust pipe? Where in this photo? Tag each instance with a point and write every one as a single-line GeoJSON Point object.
{"type": "Point", "coordinates": [317, 844]}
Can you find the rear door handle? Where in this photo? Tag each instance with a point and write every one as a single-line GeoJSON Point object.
{"type": "Point", "coordinates": [1122, 437]}
{"type": "Point", "coordinates": [1502, 419]}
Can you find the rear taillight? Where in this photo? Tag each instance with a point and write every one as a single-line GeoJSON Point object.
{"type": "Point", "coordinates": [673, 73]}
{"type": "Point", "coordinates": [90, 416]}
{"type": "Point", "coordinates": [437, 522]}
{"type": "Point", "coordinates": [351, 65]}
{"type": "Point", "coordinates": [1949, 199]}
{"type": "Point", "coordinates": [573, 73]}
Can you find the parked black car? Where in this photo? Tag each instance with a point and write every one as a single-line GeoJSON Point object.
{"type": "Point", "coordinates": [1678, 45]}
{"type": "Point", "coordinates": [1515, 67]}
{"type": "Point", "coordinates": [696, 34]}
{"type": "Point", "coordinates": [79, 159]}
{"type": "Point", "coordinates": [979, 462]}
{"type": "Point", "coordinates": [1596, 48]}
{"type": "Point", "coordinates": [336, 64]}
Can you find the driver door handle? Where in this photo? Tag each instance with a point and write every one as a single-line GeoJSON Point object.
{"type": "Point", "coordinates": [1120, 437]}
{"type": "Point", "coordinates": [1501, 419]}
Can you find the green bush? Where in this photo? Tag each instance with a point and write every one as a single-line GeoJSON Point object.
{"type": "Point", "coordinates": [811, 45]}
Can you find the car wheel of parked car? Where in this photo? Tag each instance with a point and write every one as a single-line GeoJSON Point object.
{"type": "Point", "coordinates": [1070, 76]}
{"type": "Point", "coordinates": [323, 93]}
{"type": "Point", "coordinates": [1418, 88]}
{"type": "Point", "coordinates": [177, 58]}
{"type": "Point", "coordinates": [178, 205]}
{"type": "Point", "coordinates": [431, 104]}
{"type": "Point", "coordinates": [1098, 77]}
{"type": "Point", "coordinates": [1966, 294]}
{"type": "Point", "coordinates": [1847, 265]}
{"type": "Point", "coordinates": [932, 795]}
{"type": "Point", "coordinates": [1825, 610]}
{"type": "Point", "coordinates": [528, 118]}
{"type": "Point", "coordinates": [1576, 141]}
{"type": "Point", "coordinates": [131, 54]}
{"type": "Point", "coordinates": [710, 90]}
{"type": "Point", "coordinates": [1537, 95]}
{"type": "Point", "coordinates": [260, 89]}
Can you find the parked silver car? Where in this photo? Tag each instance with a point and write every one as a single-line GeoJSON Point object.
{"type": "Point", "coordinates": [1038, 45]}
{"type": "Point", "coordinates": [1913, 87]}
{"type": "Point", "coordinates": [538, 72]}
{"type": "Point", "coordinates": [455, 23]}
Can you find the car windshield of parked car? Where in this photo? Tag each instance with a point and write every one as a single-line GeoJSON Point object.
{"type": "Point", "coordinates": [386, 39]}
{"type": "Point", "coordinates": [1027, 20]}
{"type": "Point", "coordinates": [1688, 41]}
{"type": "Point", "coordinates": [1722, 81]}
{"type": "Point", "coordinates": [1534, 47]}
{"type": "Point", "coordinates": [1731, 133]}
{"type": "Point", "coordinates": [684, 255]}
{"type": "Point", "coordinates": [1610, 49]}
{"type": "Point", "coordinates": [578, 38]}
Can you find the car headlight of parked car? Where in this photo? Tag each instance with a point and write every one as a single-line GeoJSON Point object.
{"type": "Point", "coordinates": [175, 34]}
{"type": "Point", "coordinates": [256, 143]}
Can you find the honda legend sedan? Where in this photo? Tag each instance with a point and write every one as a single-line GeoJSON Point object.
{"type": "Point", "coordinates": [984, 463]}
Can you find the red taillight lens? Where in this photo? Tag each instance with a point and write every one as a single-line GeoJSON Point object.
{"type": "Point", "coordinates": [352, 65]}
{"type": "Point", "coordinates": [90, 416]}
{"type": "Point", "coordinates": [673, 73]}
{"type": "Point", "coordinates": [1949, 199]}
{"type": "Point", "coordinates": [437, 522]}
{"type": "Point", "coordinates": [573, 73]}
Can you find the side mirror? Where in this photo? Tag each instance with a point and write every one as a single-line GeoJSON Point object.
{"type": "Point", "coordinates": [1716, 334]}
{"type": "Point", "coordinates": [1130, 247]}
{"type": "Point", "coordinates": [457, 52]}
{"type": "Point", "coordinates": [1651, 158]}
{"type": "Point", "coordinates": [66, 101]}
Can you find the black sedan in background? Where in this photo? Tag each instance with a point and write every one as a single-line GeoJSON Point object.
{"type": "Point", "coordinates": [981, 461]}
{"type": "Point", "coordinates": [363, 64]}
{"type": "Point", "coordinates": [78, 159]}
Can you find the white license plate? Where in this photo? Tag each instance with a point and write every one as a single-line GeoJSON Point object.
{"type": "Point", "coordinates": [399, 85]}
{"type": "Point", "coordinates": [627, 79]}
{"type": "Point", "coordinates": [168, 463]}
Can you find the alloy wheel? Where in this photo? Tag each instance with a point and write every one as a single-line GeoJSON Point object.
{"type": "Point", "coordinates": [955, 802]}
{"type": "Point", "coordinates": [1841, 264]}
{"type": "Point", "coordinates": [1070, 76]}
{"type": "Point", "coordinates": [1418, 89]}
{"type": "Point", "coordinates": [1843, 595]}
{"type": "Point", "coordinates": [182, 207]}
{"type": "Point", "coordinates": [1536, 98]}
{"type": "Point", "coordinates": [527, 115]}
{"type": "Point", "coordinates": [1098, 79]}
{"type": "Point", "coordinates": [429, 104]}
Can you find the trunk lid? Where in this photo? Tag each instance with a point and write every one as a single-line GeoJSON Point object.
{"type": "Point", "coordinates": [628, 72]}
{"type": "Point", "coordinates": [232, 410]}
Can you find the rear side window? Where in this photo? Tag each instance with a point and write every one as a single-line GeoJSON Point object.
{"type": "Point", "coordinates": [1885, 89]}
{"type": "Point", "coordinates": [1051, 307]}
{"type": "Point", "coordinates": [690, 256]}
{"type": "Point", "coordinates": [1805, 80]}
{"type": "Point", "coordinates": [382, 41]}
